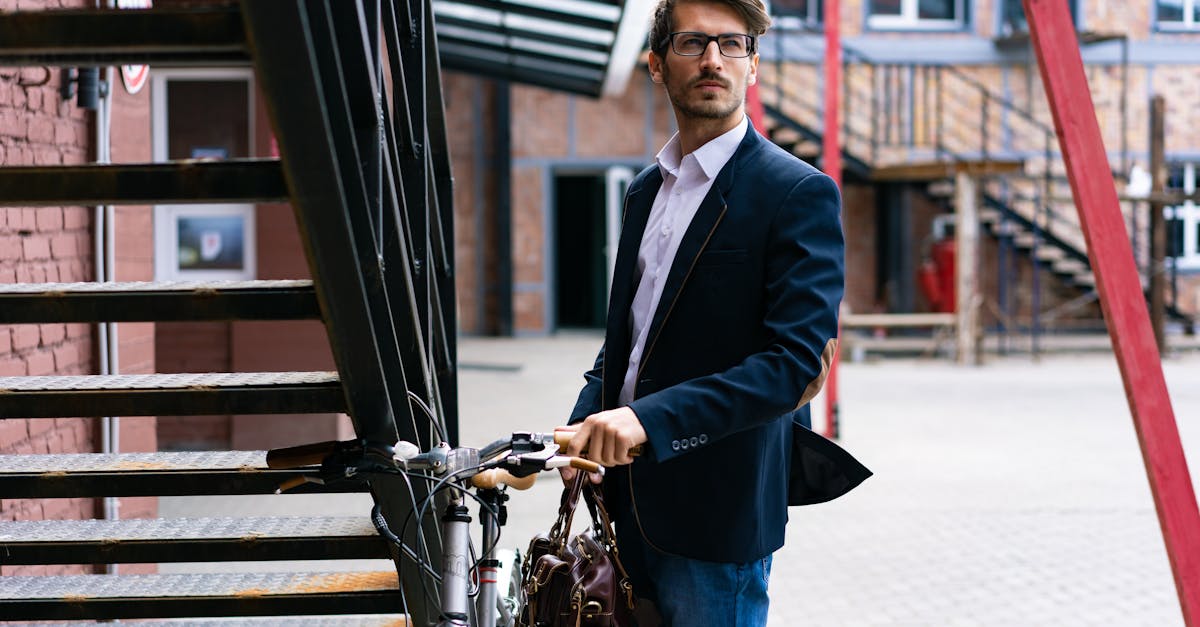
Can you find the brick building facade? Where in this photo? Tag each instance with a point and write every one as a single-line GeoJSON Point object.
{"type": "Point", "coordinates": [58, 244]}
{"type": "Point", "coordinates": [1131, 51]}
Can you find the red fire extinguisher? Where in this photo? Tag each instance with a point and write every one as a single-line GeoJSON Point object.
{"type": "Point", "coordinates": [936, 274]}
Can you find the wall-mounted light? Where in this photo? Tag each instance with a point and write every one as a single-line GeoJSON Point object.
{"type": "Point", "coordinates": [90, 87]}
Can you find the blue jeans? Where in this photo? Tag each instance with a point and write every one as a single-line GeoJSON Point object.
{"type": "Point", "coordinates": [696, 593]}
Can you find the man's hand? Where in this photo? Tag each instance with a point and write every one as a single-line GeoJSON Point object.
{"type": "Point", "coordinates": [607, 436]}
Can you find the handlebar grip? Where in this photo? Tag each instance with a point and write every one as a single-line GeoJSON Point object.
{"type": "Point", "coordinates": [497, 476]}
{"type": "Point", "coordinates": [303, 455]}
{"type": "Point", "coordinates": [586, 465]}
{"type": "Point", "coordinates": [563, 438]}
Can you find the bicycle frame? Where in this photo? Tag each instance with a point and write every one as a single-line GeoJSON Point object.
{"type": "Point", "coordinates": [517, 459]}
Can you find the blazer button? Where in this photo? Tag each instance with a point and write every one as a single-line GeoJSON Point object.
{"type": "Point", "coordinates": [675, 445]}
{"type": "Point", "coordinates": [695, 442]}
{"type": "Point", "coordinates": [683, 443]}
{"type": "Point", "coordinates": [704, 438]}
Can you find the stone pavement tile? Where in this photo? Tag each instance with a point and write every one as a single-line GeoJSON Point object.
{"type": "Point", "coordinates": [1008, 494]}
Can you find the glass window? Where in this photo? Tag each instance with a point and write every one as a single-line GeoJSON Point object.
{"type": "Point", "coordinates": [1183, 220]}
{"type": "Point", "coordinates": [935, 9]}
{"type": "Point", "coordinates": [807, 11]}
{"type": "Point", "coordinates": [885, 7]}
{"type": "Point", "coordinates": [1012, 17]}
{"type": "Point", "coordinates": [916, 14]}
{"type": "Point", "coordinates": [1178, 14]}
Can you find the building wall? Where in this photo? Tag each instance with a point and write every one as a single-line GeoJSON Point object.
{"type": "Point", "coordinates": [55, 244]}
{"type": "Point", "coordinates": [553, 133]}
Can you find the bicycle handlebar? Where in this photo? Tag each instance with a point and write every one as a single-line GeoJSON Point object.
{"type": "Point", "coordinates": [512, 462]}
{"type": "Point", "coordinates": [497, 476]}
{"type": "Point", "coordinates": [563, 438]}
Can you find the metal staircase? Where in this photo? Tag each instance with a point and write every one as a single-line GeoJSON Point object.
{"type": "Point", "coordinates": [354, 95]}
{"type": "Point", "coordinates": [898, 115]}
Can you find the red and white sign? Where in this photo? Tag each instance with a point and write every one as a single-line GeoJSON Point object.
{"type": "Point", "coordinates": [134, 76]}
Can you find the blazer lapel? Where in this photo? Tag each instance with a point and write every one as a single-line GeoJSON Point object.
{"type": "Point", "coordinates": [695, 239]}
{"type": "Point", "coordinates": [617, 342]}
{"type": "Point", "coordinates": [707, 217]}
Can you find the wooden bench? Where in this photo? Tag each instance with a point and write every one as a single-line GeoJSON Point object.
{"type": "Point", "coordinates": [942, 324]}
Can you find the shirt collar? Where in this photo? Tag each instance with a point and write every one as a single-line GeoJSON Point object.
{"type": "Point", "coordinates": [711, 157]}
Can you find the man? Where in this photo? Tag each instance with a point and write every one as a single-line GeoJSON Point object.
{"type": "Point", "coordinates": [721, 326]}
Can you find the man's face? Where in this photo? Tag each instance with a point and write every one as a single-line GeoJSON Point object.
{"type": "Point", "coordinates": [708, 86]}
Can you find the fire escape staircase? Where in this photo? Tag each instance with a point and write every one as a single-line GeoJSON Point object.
{"type": "Point", "coordinates": [914, 123]}
{"type": "Point", "coordinates": [364, 163]}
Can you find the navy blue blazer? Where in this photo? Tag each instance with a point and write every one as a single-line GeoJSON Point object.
{"type": "Point", "coordinates": [740, 342]}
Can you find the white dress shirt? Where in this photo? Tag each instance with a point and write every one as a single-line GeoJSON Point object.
{"type": "Point", "coordinates": [686, 182]}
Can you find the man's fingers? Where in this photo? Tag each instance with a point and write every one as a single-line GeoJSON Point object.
{"type": "Point", "coordinates": [595, 477]}
{"type": "Point", "coordinates": [568, 474]}
{"type": "Point", "coordinates": [579, 440]}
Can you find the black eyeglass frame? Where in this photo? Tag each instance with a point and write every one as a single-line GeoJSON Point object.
{"type": "Point", "coordinates": [750, 49]}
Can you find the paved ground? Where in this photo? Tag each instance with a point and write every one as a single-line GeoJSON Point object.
{"type": "Point", "coordinates": [1007, 494]}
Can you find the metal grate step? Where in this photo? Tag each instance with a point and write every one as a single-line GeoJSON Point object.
{"type": "Point", "coordinates": [223, 594]}
{"type": "Point", "coordinates": [149, 474]}
{"type": "Point", "coordinates": [232, 180]}
{"type": "Point", "coordinates": [171, 394]}
{"type": "Point", "coordinates": [35, 303]}
{"type": "Point", "coordinates": [159, 37]}
{"type": "Point", "coordinates": [374, 620]}
{"type": "Point", "coordinates": [189, 540]}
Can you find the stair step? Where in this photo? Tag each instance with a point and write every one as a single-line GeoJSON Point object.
{"type": "Point", "coordinates": [1050, 253]}
{"type": "Point", "coordinates": [150, 474]}
{"type": "Point", "coordinates": [234, 180]}
{"type": "Point", "coordinates": [159, 37]}
{"type": "Point", "coordinates": [68, 597]}
{"type": "Point", "coordinates": [157, 301]}
{"type": "Point", "coordinates": [1069, 266]}
{"type": "Point", "coordinates": [189, 540]}
{"type": "Point", "coordinates": [361, 620]}
{"type": "Point", "coordinates": [171, 394]}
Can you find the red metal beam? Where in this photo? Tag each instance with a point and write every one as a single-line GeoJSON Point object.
{"type": "Point", "coordinates": [754, 108]}
{"type": "Point", "coordinates": [831, 160]}
{"type": "Point", "coordinates": [1120, 289]}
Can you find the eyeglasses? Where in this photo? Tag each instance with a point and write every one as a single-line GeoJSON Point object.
{"type": "Point", "coordinates": [692, 44]}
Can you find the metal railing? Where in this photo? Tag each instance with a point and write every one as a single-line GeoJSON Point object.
{"type": "Point", "coordinates": [899, 113]}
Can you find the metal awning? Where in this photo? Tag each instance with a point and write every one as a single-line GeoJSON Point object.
{"type": "Point", "coordinates": [587, 47]}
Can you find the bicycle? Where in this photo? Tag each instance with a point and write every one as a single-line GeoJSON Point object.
{"type": "Point", "coordinates": [512, 462]}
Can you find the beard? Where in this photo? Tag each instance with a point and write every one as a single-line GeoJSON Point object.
{"type": "Point", "coordinates": [705, 105]}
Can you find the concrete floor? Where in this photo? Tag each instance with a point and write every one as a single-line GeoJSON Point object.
{"type": "Point", "coordinates": [1011, 493]}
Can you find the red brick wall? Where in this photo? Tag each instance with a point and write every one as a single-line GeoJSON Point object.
{"type": "Point", "coordinates": [43, 245]}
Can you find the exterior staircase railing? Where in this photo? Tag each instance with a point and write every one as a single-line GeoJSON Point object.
{"type": "Point", "coordinates": [355, 100]}
{"type": "Point", "coordinates": [897, 114]}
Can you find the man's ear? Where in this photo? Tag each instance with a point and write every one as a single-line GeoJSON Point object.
{"type": "Point", "coordinates": [752, 78]}
{"type": "Point", "coordinates": [654, 64]}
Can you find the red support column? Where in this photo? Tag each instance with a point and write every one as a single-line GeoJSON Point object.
{"type": "Point", "coordinates": [754, 108]}
{"type": "Point", "coordinates": [1120, 292]}
{"type": "Point", "coordinates": [831, 160]}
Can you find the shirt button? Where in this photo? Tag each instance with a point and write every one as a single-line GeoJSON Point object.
{"type": "Point", "coordinates": [666, 230]}
{"type": "Point", "coordinates": [675, 445]}
{"type": "Point", "coordinates": [704, 438]}
{"type": "Point", "coordinates": [695, 442]}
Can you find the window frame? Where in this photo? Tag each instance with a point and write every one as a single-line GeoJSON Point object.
{"type": "Point", "coordinates": [908, 19]}
{"type": "Point", "coordinates": [1188, 214]}
{"type": "Point", "coordinates": [1076, 7]}
{"type": "Point", "coordinates": [790, 19]}
{"type": "Point", "coordinates": [167, 217]}
{"type": "Point", "coordinates": [1189, 24]}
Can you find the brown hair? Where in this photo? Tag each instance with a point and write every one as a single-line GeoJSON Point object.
{"type": "Point", "coordinates": [752, 12]}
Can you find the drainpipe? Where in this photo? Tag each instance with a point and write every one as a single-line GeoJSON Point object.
{"type": "Point", "coordinates": [104, 261]}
